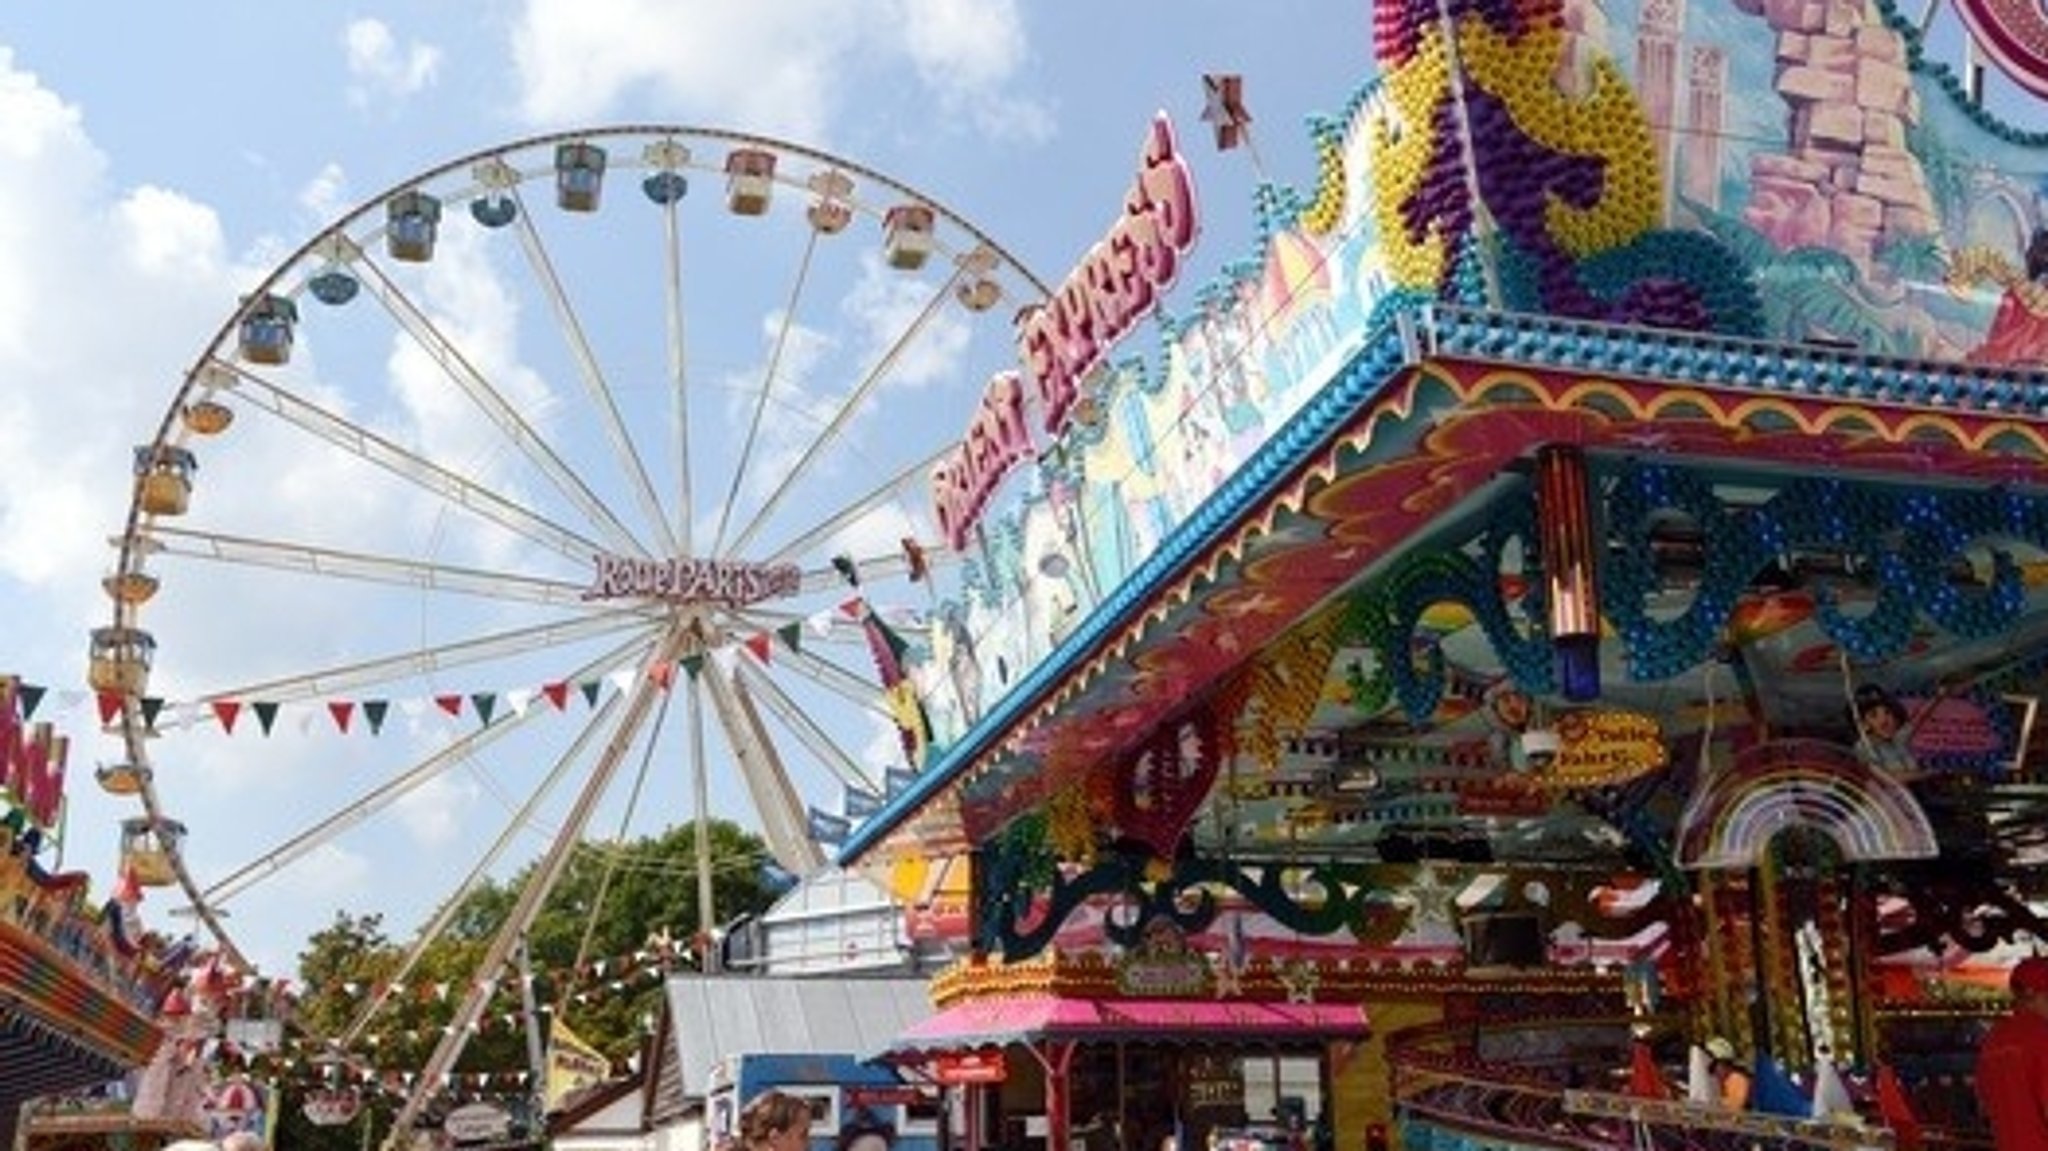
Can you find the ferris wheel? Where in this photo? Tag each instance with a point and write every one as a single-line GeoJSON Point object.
{"type": "Point", "coordinates": [591, 470]}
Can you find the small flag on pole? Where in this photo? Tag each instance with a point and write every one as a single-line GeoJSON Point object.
{"type": "Point", "coordinates": [1224, 109]}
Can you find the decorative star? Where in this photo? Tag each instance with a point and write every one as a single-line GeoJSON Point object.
{"type": "Point", "coordinates": [1429, 898]}
{"type": "Point", "coordinates": [1300, 977]}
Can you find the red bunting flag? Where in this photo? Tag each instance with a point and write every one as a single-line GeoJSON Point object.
{"type": "Point", "coordinates": [557, 694]}
{"type": "Point", "coordinates": [110, 706]}
{"type": "Point", "coordinates": [452, 704]}
{"type": "Point", "coordinates": [342, 710]}
{"type": "Point", "coordinates": [663, 674]}
{"type": "Point", "coordinates": [854, 608]}
{"type": "Point", "coordinates": [227, 711]}
{"type": "Point", "coordinates": [759, 644]}
{"type": "Point", "coordinates": [1223, 109]}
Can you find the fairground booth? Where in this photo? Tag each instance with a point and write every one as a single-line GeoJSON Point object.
{"type": "Point", "coordinates": [80, 985]}
{"type": "Point", "coordinates": [1575, 595]}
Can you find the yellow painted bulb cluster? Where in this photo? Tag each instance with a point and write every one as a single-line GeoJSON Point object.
{"type": "Point", "coordinates": [1322, 216]}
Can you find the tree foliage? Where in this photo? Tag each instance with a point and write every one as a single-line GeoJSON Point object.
{"type": "Point", "coordinates": [596, 950]}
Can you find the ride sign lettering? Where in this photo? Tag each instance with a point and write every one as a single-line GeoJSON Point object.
{"type": "Point", "coordinates": [1059, 343]}
{"type": "Point", "coordinates": [684, 580]}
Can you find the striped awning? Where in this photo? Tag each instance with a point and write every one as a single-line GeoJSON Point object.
{"type": "Point", "coordinates": [38, 1060]}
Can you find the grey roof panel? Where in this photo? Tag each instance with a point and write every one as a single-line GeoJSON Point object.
{"type": "Point", "coordinates": [715, 1016]}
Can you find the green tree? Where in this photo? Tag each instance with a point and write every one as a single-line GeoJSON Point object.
{"type": "Point", "coordinates": [593, 950]}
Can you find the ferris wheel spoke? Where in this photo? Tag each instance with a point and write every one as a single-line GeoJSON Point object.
{"type": "Point", "coordinates": [451, 487]}
{"type": "Point", "coordinates": [678, 368]}
{"type": "Point", "coordinates": [784, 825]}
{"type": "Point", "coordinates": [806, 730]}
{"type": "Point", "coordinates": [477, 649]}
{"type": "Point", "coordinates": [312, 560]}
{"type": "Point", "coordinates": [494, 406]}
{"type": "Point", "coordinates": [865, 504]}
{"type": "Point", "coordinates": [854, 401]}
{"type": "Point", "coordinates": [593, 378]}
{"type": "Point", "coordinates": [384, 795]}
{"type": "Point", "coordinates": [523, 818]}
{"type": "Point", "coordinates": [768, 377]}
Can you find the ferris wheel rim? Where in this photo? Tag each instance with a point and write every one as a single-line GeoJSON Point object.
{"type": "Point", "coordinates": [138, 542]}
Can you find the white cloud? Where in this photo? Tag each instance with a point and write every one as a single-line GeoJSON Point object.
{"type": "Point", "coordinates": [381, 68]}
{"type": "Point", "coordinates": [326, 196]}
{"type": "Point", "coordinates": [436, 811]}
{"type": "Point", "coordinates": [967, 51]}
{"type": "Point", "coordinates": [884, 306]}
{"type": "Point", "coordinates": [794, 67]}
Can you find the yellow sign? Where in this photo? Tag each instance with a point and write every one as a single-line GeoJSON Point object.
{"type": "Point", "coordinates": [573, 1064]}
{"type": "Point", "coordinates": [1596, 748]}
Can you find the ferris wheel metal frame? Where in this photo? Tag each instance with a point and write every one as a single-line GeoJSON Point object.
{"type": "Point", "coordinates": [245, 366]}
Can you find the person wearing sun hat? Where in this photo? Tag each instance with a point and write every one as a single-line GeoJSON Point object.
{"type": "Point", "coordinates": [2012, 1064]}
{"type": "Point", "coordinates": [1732, 1081]}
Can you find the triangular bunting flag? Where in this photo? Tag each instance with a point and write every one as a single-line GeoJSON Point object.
{"type": "Point", "coordinates": [152, 706]}
{"type": "Point", "coordinates": [820, 623]}
{"type": "Point", "coordinates": [557, 693]}
{"type": "Point", "coordinates": [342, 711]}
{"type": "Point", "coordinates": [853, 608]}
{"type": "Point", "coordinates": [663, 674]}
{"type": "Point", "coordinates": [791, 635]}
{"type": "Point", "coordinates": [452, 704]}
{"type": "Point", "coordinates": [758, 644]}
{"type": "Point", "coordinates": [590, 688]}
{"type": "Point", "coordinates": [623, 678]}
{"type": "Point", "coordinates": [266, 714]}
{"type": "Point", "coordinates": [31, 696]}
{"type": "Point", "coordinates": [1897, 1109]}
{"type": "Point", "coordinates": [485, 703]}
{"type": "Point", "coordinates": [110, 706]}
{"type": "Point", "coordinates": [693, 663]}
{"type": "Point", "coordinates": [518, 699]}
{"type": "Point", "coordinates": [374, 711]}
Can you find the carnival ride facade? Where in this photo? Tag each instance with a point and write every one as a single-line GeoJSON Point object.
{"type": "Point", "coordinates": [82, 985]}
{"type": "Point", "coordinates": [1575, 593]}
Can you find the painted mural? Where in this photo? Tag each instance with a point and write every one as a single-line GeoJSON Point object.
{"type": "Point", "coordinates": [1585, 158]}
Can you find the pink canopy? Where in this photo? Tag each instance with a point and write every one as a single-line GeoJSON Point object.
{"type": "Point", "coordinates": [1023, 1019]}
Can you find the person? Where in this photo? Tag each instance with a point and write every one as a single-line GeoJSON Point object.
{"type": "Point", "coordinates": [2019, 328]}
{"type": "Point", "coordinates": [1732, 1081]}
{"type": "Point", "coordinates": [2012, 1063]}
{"type": "Point", "coordinates": [1884, 732]}
{"type": "Point", "coordinates": [1509, 711]}
{"type": "Point", "coordinates": [775, 1121]}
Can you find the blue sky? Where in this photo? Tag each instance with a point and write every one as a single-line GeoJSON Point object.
{"type": "Point", "coordinates": [151, 174]}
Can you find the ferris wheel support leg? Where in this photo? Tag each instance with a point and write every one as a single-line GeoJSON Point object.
{"type": "Point", "coordinates": [477, 996]}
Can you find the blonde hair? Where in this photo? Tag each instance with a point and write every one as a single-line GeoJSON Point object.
{"type": "Point", "coordinates": [769, 1114]}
